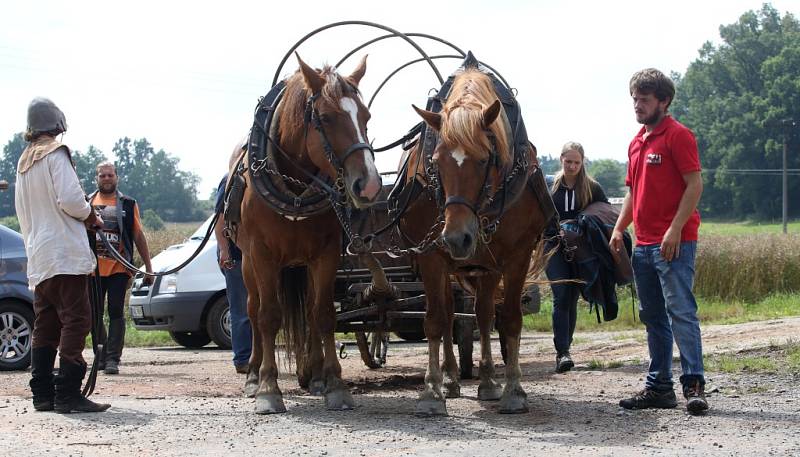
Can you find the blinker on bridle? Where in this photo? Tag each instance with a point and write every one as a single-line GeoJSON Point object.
{"type": "Point", "coordinates": [311, 116]}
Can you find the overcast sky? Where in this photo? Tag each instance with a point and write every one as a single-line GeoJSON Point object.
{"type": "Point", "coordinates": [187, 75]}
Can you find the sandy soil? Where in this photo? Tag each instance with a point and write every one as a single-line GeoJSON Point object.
{"type": "Point", "coordinates": [175, 402]}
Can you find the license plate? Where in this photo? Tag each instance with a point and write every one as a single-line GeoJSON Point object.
{"type": "Point", "coordinates": [137, 312]}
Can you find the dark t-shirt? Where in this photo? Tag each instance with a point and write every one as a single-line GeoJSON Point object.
{"type": "Point", "coordinates": [568, 202]}
{"type": "Point", "coordinates": [235, 252]}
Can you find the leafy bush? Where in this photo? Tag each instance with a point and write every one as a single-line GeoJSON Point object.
{"type": "Point", "coordinates": [151, 220]}
{"type": "Point", "coordinates": [11, 222]}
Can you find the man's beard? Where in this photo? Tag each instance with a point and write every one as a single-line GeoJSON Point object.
{"type": "Point", "coordinates": [654, 118]}
{"type": "Point", "coordinates": [108, 189]}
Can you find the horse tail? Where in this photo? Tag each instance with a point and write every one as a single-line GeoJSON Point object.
{"type": "Point", "coordinates": [292, 296]}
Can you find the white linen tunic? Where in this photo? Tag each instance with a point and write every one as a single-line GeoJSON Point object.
{"type": "Point", "coordinates": [51, 208]}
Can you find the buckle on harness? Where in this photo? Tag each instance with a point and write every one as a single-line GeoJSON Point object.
{"type": "Point", "coordinates": [297, 202]}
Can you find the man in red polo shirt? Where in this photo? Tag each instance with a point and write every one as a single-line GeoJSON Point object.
{"type": "Point", "coordinates": [664, 188]}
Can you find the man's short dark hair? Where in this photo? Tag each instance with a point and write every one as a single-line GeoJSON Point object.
{"type": "Point", "coordinates": [652, 81]}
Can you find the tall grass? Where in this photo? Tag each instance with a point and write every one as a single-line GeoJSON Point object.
{"type": "Point", "coordinates": [747, 268]}
{"type": "Point", "coordinates": [172, 233]}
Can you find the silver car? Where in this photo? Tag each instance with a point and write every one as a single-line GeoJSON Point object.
{"type": "Point", "coordinates": [16, 303]}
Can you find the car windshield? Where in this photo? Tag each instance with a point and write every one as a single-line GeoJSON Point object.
{"type": "Point", "coordinates": [200, 233]}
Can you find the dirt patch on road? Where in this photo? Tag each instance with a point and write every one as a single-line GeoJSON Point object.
{"type": "Point", "coordinates": [170, 401]}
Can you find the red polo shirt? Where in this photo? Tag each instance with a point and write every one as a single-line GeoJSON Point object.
{"type": "Point", "coordinates": [656, 165]}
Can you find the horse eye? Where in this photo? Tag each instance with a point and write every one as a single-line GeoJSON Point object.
{"type": "Point", "coordinates": [483, 162]}
{"type": "Point", "coordinates": [325, 118]}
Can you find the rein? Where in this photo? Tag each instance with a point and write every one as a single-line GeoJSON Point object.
{"type": "Point", "coordinates": [129, 266]}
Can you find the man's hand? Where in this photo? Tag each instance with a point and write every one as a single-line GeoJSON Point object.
{"type": "Point", "coordinates": [671, 244]}
{"type": "Point", "coordinates": [225, 261]}
{"type": "Point", "coordinates": [93, 222]}
{"type": "Point", "coordinates": [616, 241]}
{"type": "Point", "coordinates": [148, 280]}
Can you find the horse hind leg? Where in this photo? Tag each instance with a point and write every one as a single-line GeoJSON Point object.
{"type": "Point", "coordinates": [310, 365]}
{"type": "Point", "coordinates": [488, 389]}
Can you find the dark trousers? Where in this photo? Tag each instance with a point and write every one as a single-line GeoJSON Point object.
{"type": "Point", "coordinates": [63, 315]}
{"type": "Point", "coordinates": [565, 302]}
{"type": "Point", "coordinates": [113, 288]}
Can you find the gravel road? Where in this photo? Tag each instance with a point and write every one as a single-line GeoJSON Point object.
{"type": "Point", "coordinates": [179, 402]}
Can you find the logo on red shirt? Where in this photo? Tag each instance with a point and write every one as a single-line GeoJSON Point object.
{"type": "Point", "coordinates": [654, 159]}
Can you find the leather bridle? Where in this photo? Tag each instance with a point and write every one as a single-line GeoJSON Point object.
{"type": "Point", "coordinates": [494, 161]}
{"type": "Point", "coordinates": [312, 117]}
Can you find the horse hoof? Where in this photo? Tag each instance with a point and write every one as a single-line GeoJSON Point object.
{"type": "Point", "coordinates": [430, 408]}
{"type": "Point", "coordinates": [250, 389]}
{"type": "Point", "coordinates": [317, 387]}
{"type": "Point", "coordinates": [452, 390]}
{"type": "Point", "coordinates": [270, 404]}
{"type": "Point", "coordinates": [491, 391]}
{"type": "Point", "coordinates": [514, 402]}
{"type": "Point", "coordinates": [339, 400]}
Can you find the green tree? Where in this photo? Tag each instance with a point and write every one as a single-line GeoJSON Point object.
{"type": "Point", "coordinates": [86, 167]}
{"type": "Point", "coordinates": [155, 181]}
{"type": "Point", "coordinates": [549, 164]}
{"type": "Point", "coordinates": [8, 171]}
{"type": "Point", "coordinates": [610, 174]}
{"type": "Point", "coordinates": [151, 220]}
{"type": "Point", "coordinates": [734, 97]}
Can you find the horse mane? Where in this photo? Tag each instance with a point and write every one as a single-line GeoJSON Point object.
{"type": "Point", "coordinates": [292, 122]}
{"type": "Point", "coordinates": [471, 93]}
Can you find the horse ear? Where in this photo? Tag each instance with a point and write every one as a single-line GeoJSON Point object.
{"type": "Point", "coordinates": [358, 73]}
{"type": "Point", "coordinates": [490, 114]}
{"type": "Point", "coordinates": [313, 80]}
{"type": "Point", "coordinates": [430, 118]}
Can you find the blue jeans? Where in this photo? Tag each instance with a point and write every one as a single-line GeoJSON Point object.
{"type": "Point", "coordinates": [241, 333]}
{"type": "Point", "coordinates": [565, 302]}
{"type": "Point", "coordinates": [668, 309]}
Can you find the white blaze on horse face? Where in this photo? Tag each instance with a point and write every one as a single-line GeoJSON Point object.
{"type": "Point", "coordinates": [459, 156]}
{"type": "Point", "coordinates": [373, 182]}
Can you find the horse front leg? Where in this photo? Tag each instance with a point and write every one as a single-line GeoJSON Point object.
{"type": "Point", "coordinates": [337, 395]}
{"type": "Point", "coordinates": [269, 399]}
{"type": "Point", "coordinates": [488, 389]}
{"type": "Point", "coordinates": [452, 389]}
{"type": "Point", "coordinates": [251, 382]}
{"type": "Point", "coordinates": [431, 402]}
{"type": "Point", "coordinates": [514, 399]}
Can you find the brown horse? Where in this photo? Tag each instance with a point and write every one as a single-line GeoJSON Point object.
{"type": "Point", "coordinates": [321, 119]}
{"type": "Point", "coordinates": [473, 160]}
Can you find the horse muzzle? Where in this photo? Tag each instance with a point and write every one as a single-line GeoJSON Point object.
{"type": "Point", "coordinates": [461, 242]}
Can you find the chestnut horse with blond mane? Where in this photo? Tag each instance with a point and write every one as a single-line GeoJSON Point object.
{"type": "Point", "coordinates": [481, 184]}
{"type": "Point", "coordinates": [320, 132]}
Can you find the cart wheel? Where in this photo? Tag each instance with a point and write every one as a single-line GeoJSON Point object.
{"type": "Point", "coordinates": [372, 347]}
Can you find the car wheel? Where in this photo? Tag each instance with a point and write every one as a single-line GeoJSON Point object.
{"type": "Point", "coordinates": [191, 340]}
{"type": "Point", "coordinates": [218, 322]}
{"type": "Point", "coordinates": [16, 332]}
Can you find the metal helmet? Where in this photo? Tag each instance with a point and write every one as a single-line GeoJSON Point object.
{"type": "Point", "coordinates": [44, 116]}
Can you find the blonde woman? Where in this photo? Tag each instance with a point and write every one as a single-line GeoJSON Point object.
{"type": "Point", "coordinates": [572, 191]}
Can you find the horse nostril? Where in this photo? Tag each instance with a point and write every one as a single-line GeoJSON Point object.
{"type": "Point", "coordinates": [467, 241]}
{"type": "Point", "coordinates": [357, 186]}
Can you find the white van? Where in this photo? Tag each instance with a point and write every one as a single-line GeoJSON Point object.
{"type": "Point", "coordinates": [190, 304]}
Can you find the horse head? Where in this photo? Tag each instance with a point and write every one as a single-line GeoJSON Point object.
{"type": "Point", "coordinates": [333, 107]}
{"type": "Point", "coordinates": [469, 158]}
